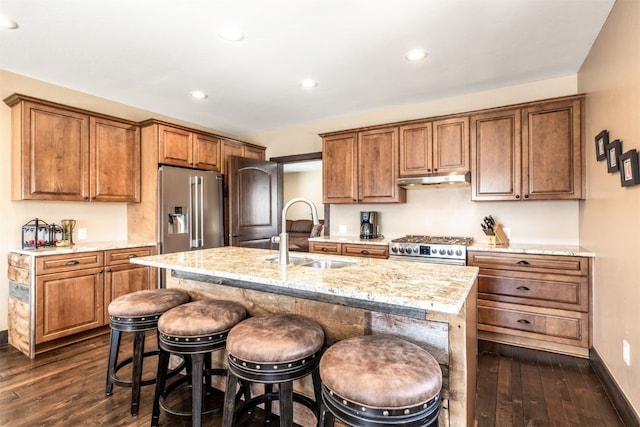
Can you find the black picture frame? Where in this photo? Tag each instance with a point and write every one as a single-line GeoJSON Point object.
{"type": "Point", "coordinates": [602, 139]}
{"type": "Point", "coordinates": [613, 150]}
{"type": "Point", "coordinates": [629, 174]}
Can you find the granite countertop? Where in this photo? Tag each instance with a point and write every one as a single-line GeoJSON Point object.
{"type": "Point", "coordinates": [82, 247]}
{"type": "Point", "coordinates": [430, 287]}
{"type": "Point", "coordinates": [536, 249]}
{"type": "Point", "coordinates": [351, 239]}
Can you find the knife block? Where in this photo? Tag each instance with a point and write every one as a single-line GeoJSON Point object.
{"type": "Point", "coordinates": [500, 239]}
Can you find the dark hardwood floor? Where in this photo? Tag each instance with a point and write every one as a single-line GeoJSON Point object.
{"type": "Point", "coordinates": [516, 387]}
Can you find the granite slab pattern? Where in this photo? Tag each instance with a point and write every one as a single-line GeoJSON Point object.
{"type": "Point", "coordinates": [535, 249]}
{"type": "Point", "coordinates": [430, 287]}
{"type": "Point", "coordinates": [83, 247]}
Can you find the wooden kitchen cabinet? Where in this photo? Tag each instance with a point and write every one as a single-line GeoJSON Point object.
{"type": "Point", "coordinates": [434, 147]}
{"type": "Point", "coordinates": [254, 152]}
{"type": "Point", "coordinates": [530, 152]}
{"type": "Point", "coordinates": [63, 153]}
{"type": "Point", "coordinates": [535, 301]}
{"type": "Point", "coordinates": [229, 149]}
{"type": "Point", "coordinates": [182, 147]}
{"type": "Point", "coordinates": [361, 167]}
{"type": "Point", "coordinates": [350, 249]}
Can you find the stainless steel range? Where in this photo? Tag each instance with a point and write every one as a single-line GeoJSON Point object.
{"type": "Point", "coordinates": [435, 249]}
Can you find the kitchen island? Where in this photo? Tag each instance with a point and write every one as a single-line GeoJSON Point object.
{"type": "Point", "coordinates": [432, 305]}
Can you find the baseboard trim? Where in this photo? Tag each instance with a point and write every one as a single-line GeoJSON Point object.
{"type": "Point", "coordinates": [617, 397]}
{"type": "Point", "coordinates": [4, 337]}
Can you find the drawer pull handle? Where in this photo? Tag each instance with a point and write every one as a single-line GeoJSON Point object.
{"type": "Point", "coordinates": [325, 249]}
{"type": "Point", "coordinates": [524, 322]}
{"type": "Point", "coordinates": [73, 262]}
{"type": "Point", "coordinates": [523, 262]}
{"type": "Point", "coordinates": [523, 288]}
{"type": "Point", "coordinates": [364, 252]}
{"type": "Point", "coordinates": [132, 255]}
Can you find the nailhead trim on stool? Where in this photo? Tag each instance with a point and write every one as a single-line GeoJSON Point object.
{"type": "Point", "coordinates": [380, 380]}
{"type": "Point", "coordinates": [195, 330]}
{"type": "Point", "coordinates": [136, 312]}
{"type": "Point", "coordinates": [274, 349]}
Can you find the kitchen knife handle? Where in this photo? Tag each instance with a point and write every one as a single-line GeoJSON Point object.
{"type": "Point", "coordinates": [523, 262]}
{"type": "Point", "coordinates": [523, 288]}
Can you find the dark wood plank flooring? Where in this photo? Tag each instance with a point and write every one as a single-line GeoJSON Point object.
{"type": "Point", "coordinates": [516, 387]}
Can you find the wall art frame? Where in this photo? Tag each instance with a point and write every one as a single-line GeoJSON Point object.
{"type": "Point", "coordinates": [629, 173]}
{"type": "Point", "coordinates": [602, 139]}
{"type": "Point", "coordinates": [613, 150]}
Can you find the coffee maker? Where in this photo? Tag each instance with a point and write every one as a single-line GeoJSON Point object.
{"type": "Point", "coordinates": [369, 225]}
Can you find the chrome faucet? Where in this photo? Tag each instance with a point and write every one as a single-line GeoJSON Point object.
{"type": "Point", "coordinates": [284, 236]}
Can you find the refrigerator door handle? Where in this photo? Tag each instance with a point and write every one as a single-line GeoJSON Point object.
{"type": "Point", "coordinates": [193, 207]}
{"type": "Point", "coordinates": [200, 236]}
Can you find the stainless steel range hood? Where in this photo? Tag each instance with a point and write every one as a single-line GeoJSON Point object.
{"type": "Point", "coordinates": [436, 180]}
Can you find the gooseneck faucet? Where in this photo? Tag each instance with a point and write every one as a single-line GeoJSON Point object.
{"type": "Point", "coordinates": [284, 236]}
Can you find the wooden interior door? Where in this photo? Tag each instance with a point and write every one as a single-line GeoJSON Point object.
{"type": "Point", "coordinates": [255, 201]}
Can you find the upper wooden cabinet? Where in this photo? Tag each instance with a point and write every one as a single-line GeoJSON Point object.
{"type": "Point", "coordinates": [440, 146]}
{"type": "Point", "coordinates": [361, 167]}
{"type": "Point", "coordinates": [181, 147]}
{"type": "Point", "coordinates": [63, 153]}
{"type": "Point", "coordinates": [253, 152]}
{"type": "Point", "coordinates": [531, 152]}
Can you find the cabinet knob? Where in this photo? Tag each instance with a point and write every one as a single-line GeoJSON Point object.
{"type": "Point", "coordinates": [73, 262]}
{"type": "Point", "coordinates": [132, 255]}
{"type": "Point", "coordinates": [364, 252]}
{"type": "Point", "coordinates": [517, 196]}
{"type": "Point", "coordinates": [324, 249]}
{"type": "Point", "coordinates": [524, 322]}
{"type": "Point", "coordinates": [526, 196]}
{"type": "Point", "coordinates": [523, 262]}
{"type": "Point", "coordinates": [522, 288]}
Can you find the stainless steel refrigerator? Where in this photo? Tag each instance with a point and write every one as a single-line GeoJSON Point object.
{"type": "Point", "coordinates": [190, 208]}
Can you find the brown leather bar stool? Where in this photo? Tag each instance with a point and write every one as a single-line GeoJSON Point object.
{"type": "Point", "coordinates": [274, 349]}
{"type": "Point", "coordinates": [193, 330]}
{"type": "Point", "coordinates": [379, 380]}
{"type": "Point", "coordinates": [136, 312]}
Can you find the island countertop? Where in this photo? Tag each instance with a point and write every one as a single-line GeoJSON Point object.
{"type": "Point", "coordinates": [423, 286]}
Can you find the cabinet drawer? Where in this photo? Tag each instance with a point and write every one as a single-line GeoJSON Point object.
{"type": "Point", "coordinates": [558, 326]}
{"type": "Point", "coordinates": [324, 248]}
{"type": "Point", "coordinates": [122, 256]}
{"type": "Point", "coordinates": [548, 290]}
{"type": "Point", "coordinates": [557, 264]}
{"type": "Point", "coordinates": [370, 251]}
{"type": "Point", "coordinates": [63, 263]}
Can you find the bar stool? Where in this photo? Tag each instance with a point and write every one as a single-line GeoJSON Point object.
{"type": "Point", "coordinates": [378, 380]}
{"type": "Point", "coordinates": [193, 330]}
{"type": "Point", "coordinates": [274, 349]}
{"type": "Point", "coordinates": [136, 312]}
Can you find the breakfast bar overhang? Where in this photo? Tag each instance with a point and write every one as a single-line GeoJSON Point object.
{"type": "Point", "coordinates": [430, 304]}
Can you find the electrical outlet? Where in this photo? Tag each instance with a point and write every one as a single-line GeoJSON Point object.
{"type": "Point", "coordinates": [626, 352]}
{"type": "Point", "coordinates": [507, 232]}
{"type": "Point", "coordinates": [342, 229]}
{"type": "Point", "coordinates": [82, 234]}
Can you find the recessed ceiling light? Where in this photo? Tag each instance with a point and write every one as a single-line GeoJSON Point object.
{"type": "Point", "coordinates": [308, 83]}
{"type": "Point", "coordinates": [198, 94]}
{"type": "Point", "coordinates": [7, 23]}
{"type": "Point", "coordinates": [231, 33]}
{"type": "Point", "coordinates": [416, 55]}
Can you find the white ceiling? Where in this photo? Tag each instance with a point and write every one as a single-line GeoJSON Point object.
{"type": "Point", "coordinates": [151, 53]}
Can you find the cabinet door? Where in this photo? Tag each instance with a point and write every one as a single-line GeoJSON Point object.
{"type": "Point", "coordinates": [175, 146]}
{"type": "Point", "coordinates": [68, 303]}
{"type": "Point", "coordinates": [495, 155]}
{"type": "Point", "coordinates": [451, 145]}
{"type": "Point", "coordinates": [552, 150]}
{"type": "Point", "coordinates": [115, 161]}
{"type": "Point", "coordinates": [206, 152]}
{"type": "Point", "coordinates": [254, 152]}
{"type": "Point", "coordinates": [340, 169]}
{"type": "Point", "coordinates": [55, 153]}
{"type": "Point", "coordinates": [123, 279]}
{"type": "Point", "coordinates": [229, 149]}
{"type": "Point", "coordinates": [378, 167]}
{"type": "Point", "coordinates": [416, 150]}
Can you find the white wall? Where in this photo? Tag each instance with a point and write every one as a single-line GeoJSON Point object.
{"type": "Point", "coordinates": [609, 216]}
{"type": "Point", "coordinates": [303, 184]}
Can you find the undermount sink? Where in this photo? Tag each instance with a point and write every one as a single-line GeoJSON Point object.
{"type": "Point", "coordinates": [314, 263]}
{"type": "Point", "coordinates": [328, 264]}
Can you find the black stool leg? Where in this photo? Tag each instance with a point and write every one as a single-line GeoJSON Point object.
{"type": "Point", "coordinates": [114, 348]}
{"type": "Point", "coordinates": [285, 390]}
{"type": "Point", "coordinates": [268, 391]}
{"type": "Point", "coordinates": [163, 367]}
{"type": "Point", "coordinates": [317, 391]}
{"type": "Point", "coordinates": [229, 400]}
{"type": "Point", "coordinates": [138, 358]}
{"type": "Point", "coordinates": [197, 361]}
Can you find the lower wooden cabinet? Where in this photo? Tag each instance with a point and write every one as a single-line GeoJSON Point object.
{"type": "Point", "coordinates": [66, 299]}
{"type": "Point", "coordinates": [535, 301]}
{"type": "Point", "coordinates": [350, 249]}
